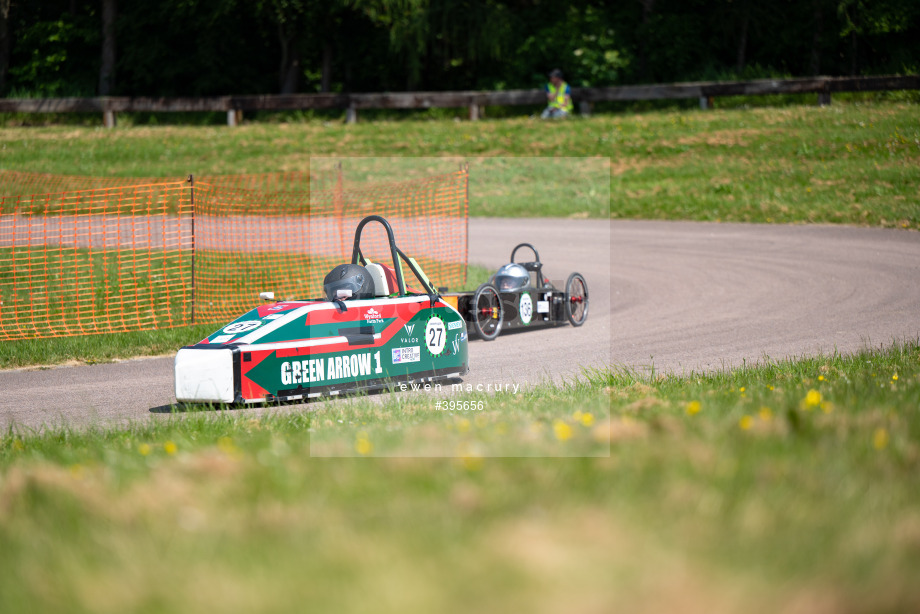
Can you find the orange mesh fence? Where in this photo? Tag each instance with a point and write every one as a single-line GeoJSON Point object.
{"type": "Point", "coordinates": [248, 242]}
{"type": "Point", "coordinates": [129, 256]}
{"type": "Point", "coordinates": [105, 260]}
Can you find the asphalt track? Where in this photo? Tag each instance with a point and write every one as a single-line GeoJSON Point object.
{"type": "Point", "coordinates": [671, 296]}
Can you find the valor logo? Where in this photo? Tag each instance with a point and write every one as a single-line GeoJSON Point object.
{"type": "Point", "coordinates": [456, 345]}
{"type": "Point", "coordinates": [409, 338]}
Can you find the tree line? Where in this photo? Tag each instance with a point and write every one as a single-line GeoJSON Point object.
{"type": "Point", "coordinates": [58, 48]}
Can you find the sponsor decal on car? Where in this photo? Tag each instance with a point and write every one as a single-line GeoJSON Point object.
{"type": "Point", "coordinates": [525, 309]}
{"type": "Point", "coordinates": [406, 354]}
{"type": "Point", "coordinates": [455, 325]}
{"type": "Point", "coordinates": [435, 336]}
{"type": "Point", "coordinates": [408, 338]}
{"type": "Point", "coordinates": [373, 316]}
{"type": "Point", "coordinates": [242, 327]}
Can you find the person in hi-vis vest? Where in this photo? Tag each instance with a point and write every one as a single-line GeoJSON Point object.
{"type": "Point", "coordinates": [558, 96]}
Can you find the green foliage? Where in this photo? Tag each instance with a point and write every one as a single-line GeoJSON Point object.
{"type": "Point", "coordinates": [582, 43]}
{"type": "Point", "coordinates": [218, 47]}
{"type": "Point", "coordinates": [52, 57]}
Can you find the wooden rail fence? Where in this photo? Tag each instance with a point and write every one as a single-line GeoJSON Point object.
{"type": "Point", "coordinates": [234, 106]}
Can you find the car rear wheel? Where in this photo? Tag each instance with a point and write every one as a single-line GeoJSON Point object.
{"type": "Point", "coordinates": [576, 299]}
{"type": "Point", "coordinates": [487, 312]}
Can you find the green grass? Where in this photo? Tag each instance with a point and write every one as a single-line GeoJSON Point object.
{"type": "Point", "coordinates": [790, 484]}
{"type": "Point", "coordinates": [851, 163]}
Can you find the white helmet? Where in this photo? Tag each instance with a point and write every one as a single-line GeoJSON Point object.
{"type": "Point", "coordinates": [511, 277]}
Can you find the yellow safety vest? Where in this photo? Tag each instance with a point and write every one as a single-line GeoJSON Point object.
{"type": "Point", "coordinates": [558, 100]}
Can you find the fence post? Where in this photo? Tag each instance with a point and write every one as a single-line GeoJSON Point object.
{"type": "Point", "coordinates": [191, 186]}
{"type": "Point", "coordinates": [108, 118]}
{"type": "Point", "coordinates": [474, 112]}
{"type": "Point", "coordinates": [824, 99]}
{"type": "Point", "coordinates": [351, 114]}
{"type": "Point", "coordinates": [465, 169]}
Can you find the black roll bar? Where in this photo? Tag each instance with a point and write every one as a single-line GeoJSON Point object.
{"type": "Point", "coordinates": [536, 266]}
{"type": "Point", "coordinates": [358, 258]}
{"type": "Point", "coordinates": [536, 256]}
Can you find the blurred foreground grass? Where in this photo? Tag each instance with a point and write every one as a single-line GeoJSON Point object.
{"type": "Point", "coordinates": [793, 485]}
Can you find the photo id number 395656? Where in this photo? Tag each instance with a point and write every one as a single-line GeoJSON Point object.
{"type": "Point", "coordinates": [460, 405]}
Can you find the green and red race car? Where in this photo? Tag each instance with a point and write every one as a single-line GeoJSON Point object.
{"type": "Point", "coordinates": [368, 333]}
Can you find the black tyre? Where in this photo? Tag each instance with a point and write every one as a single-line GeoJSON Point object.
{"type": "Point", "coordinates": [486, 311]}
{"type": "Point", "coordinates": [576, 299]}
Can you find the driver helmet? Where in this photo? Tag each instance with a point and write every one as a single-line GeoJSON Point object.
{"type": "Point", "coordinates": [511, 277]}
{"type": "Point", "coordinates": [345, 278]}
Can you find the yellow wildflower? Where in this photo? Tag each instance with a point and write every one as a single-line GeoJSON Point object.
{"type": "Point", "coordinates": [880, 439]}
{"type": "Point", "coordinates": [471, 463]}
{"type": "Point", "coordinates": [363, 445]}
{"type": "Point", "coordinates": [587, 419]}
{"type": "Point", "coordinates": [170, 447]}
{"type": "Point", "coordinates": [562, 430]}
{"type": "Point", "coordinates": [766, 414]}
{"type": "Point", "coordinates": [225, 445]}
{"type": "Point", "coordinates": [746, 423]}
{"type": "Point", "coordinates": [693, 408]}
{"type": "Point", "coordinates": [812, 399]}
{"type": "Point", "coordinates": [144, 449]}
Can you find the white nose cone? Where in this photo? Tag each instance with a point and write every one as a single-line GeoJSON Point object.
{"type": "Point", "coordinates": [204, 375]}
